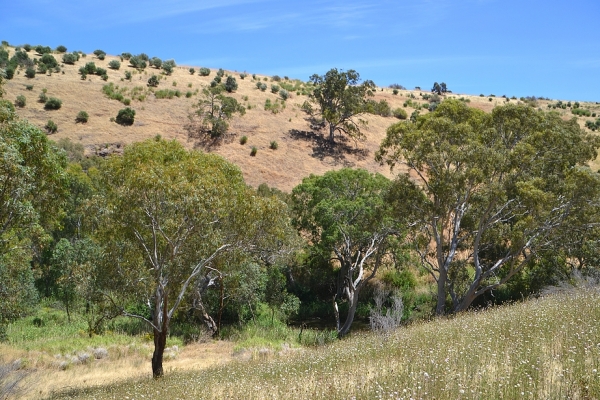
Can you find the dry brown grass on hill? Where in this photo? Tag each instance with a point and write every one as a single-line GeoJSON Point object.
{"type": "Point", "coordinates": [300, 151]}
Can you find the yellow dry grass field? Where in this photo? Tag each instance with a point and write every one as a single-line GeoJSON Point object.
{"type": "Point", "coordinates": [120, 365]}
{"type": "Point", "coordinates": [299, 149]}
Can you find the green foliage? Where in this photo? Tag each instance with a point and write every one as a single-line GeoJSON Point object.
{"type": "Point", "coordinates": [273, 145]}
{"type": "Point", "coordinates": [30, 73]}
{"type": "Point", "coordinates": [100, 54]}
{"type": "Point", "coordinates": [275, 107]}
{"type": "Point", "coordinates": [507, 179]}
{"type": "Point", "coordinates": [192, 70]}
{"type": "Point", "coordinates": [262, 86]}
{"type": "Point", "coordinates": [82, 117]}
{"type": "Point", "coordinates": [243, 75]}
{"type": "Point", "coordinates": [126, 56]}
{"type": "Point", "coordinates": [137, 62]}
{"type": "Point", "coordinates": [49, 61]}
{"type": "Point", "coordinates": [53, 104]}
{"type": "Point", "coordinates": [128, 75]}
{"type": "Point", "coordinates": [220, 73]}
{"type": "Point", "coordinates": [168, 66]}
{"type": "Point", "coordinates": [153, 81]}
{"type": "Point", "coordinates": [41, 50]}
{"type": "Point", "coordinates": [51, 126]}
{"type": "Point", "coordinates": [88, 68]}
{"type": "Point", "coordinates": [70, 58]}
{"type": "Point", "coordinates": [114, 64]}
{"type": "Point", "coordinates": [276, 78]}
{"type": "Point", "coordinates": [231, 84]}
{"type": "Point", "coordinates": [21, 101]}
{"type": "Point", "coordinates": [284, 94]}
{"type": "Point", "coordinates": [253, 151]}
{"type": "Point", "coordinates": [274, 88]}
{"type": "Point", "coordinates": [43, 97]}
{"type": "Point", "coordinates": [400, 113]}
{"type": "Point", "coordinates": [114, 92]}
{"type": "Point", "coordinates": [341, 100]}
{"type": "Point", "coordinates": [214, 110]}
{"type": "Point", "coordinates": [581, 112]}
{"type": "Point", "coordinates": [167, 94]}
{"type": "Point", "coordinates": [244, 140]}
{"type": "Point", "coordinates": [61, 49]}
{"type": "Point", "coordinates": [204, 71]}
{"type": "Point", "coordinates": [125, 116]}
{"type": "Point", "coordinates": [381, 108]}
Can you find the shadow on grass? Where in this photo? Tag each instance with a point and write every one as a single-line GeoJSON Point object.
{"type": "Point", "coordinates": [335, 153]}
{"type": "Point", "coordinates": [202, 139]}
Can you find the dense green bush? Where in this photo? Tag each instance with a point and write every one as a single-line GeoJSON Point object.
{"type": "Point", "coordinates": [88, 68]}
{"type": "Point", "coordinates": [20, 101]}
{"type": "Point", "coordinates": [168, 66]}
{"type": "Point", "coordinates": [276, 78]}
{"type": "Point", "coordinates": [125, 56]}
{"type": "Point", "coordinates": [114, 64]}
{"type": "Point", "coordinates": [273, 145]}
{"type": "Point", "coordinates": [100, 54]}
{"type": "Point", "coordinates": [220, 73]}
{"type": "Point", "coordinates": [262, 86]}
{"type": "Point", "coordinates": [244, 140]}
{"type": "Point", "coordinates": [126, 116]}
{"type": "Point", "coordinates": [192, 71]}
{"type": "Point", "coordinates": [231, 84]}
{"type": "Point", "coordinates": [275, 88]}
{"type": "Point", "coordinates": [581, 112]}
{"type": "Point", "coordinates": [30, 72]}
{"type": "Point", "coordinates": [155, 62]}
{"type": "Point", "coordinates": [61, 49]}
{"type": "Point", "coordinates": [253, 151]}
{"type": "Point", "coordinates": [48, 60]}
{"type": "Point", "coordinates": [69, 58]}
{"type": "Point", "coordinates": [243, 75]}
{"type": "Point", "coordinates": [41, 50]}
{"type": "Point", "coordinates": [29, 87]}
{"type": "Point", "coordinates": [82, 117]}
{"type": "Point", "coordinates": [27, 47]}
{"type": "Point", "coordinates": [284, 94]}
{"type": "Point", "coordinates": [128, 75]}
{"type": "Point", "coordinates": [153, 81]}
{"type": "Point", "coordinates": [204, 71]}
{"type": "Point", "coordinates": [51, 127]}
{"type": "Point", "coordinates": [137, 62]}
{"type": "Point", "coordinates": [400, 113]}
{"type": "Point", "coordinates": [53, 104]}
{"type": "Point", "coordinates": [379, 108]}
{"type": "Point", "coordinates": [100, 71]}
{"type": "Point", "coordinates": [167, 94]}
{"type": "Point", "coordinates": [42, 98]}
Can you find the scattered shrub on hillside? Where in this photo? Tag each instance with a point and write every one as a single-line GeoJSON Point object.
{"type": "Point", "coordinates": [253, 151]}
{"type": "Point", "coordinates": [114, 64]}
{"type": "Point", "coordinates": [168, 66]}
{"type": "Point", "coordinates": [69, 58]}
{"type": "Point", "coordinates": [581, 112]}
{"type": "Point", "coordinates": [126, 116]}
{"type": "Point", "coordinates": [273, 145]}
{"type": "Point", "coordinates": [397, 86]}
{"type": "Point", "coordinates": [100, 71]}
{"type": "Point", "coordinates": [395, 91]}
{"type": "Point", "coordinates": [262, 86]}
{"type": "Point", "coordinates": [30, 72]}
{"type": "Point", "coordinates": [192, 71]}
{"type": "Point", "coordinates": [284, 94]}
{"type": "Point", "coordinates": [220, 73]}
{"type": "Point", "coordinates": [51, 127]}
{"type": "Point", "coordinates": [155, 62]}
{"type": "Point", "coordinates": [82, 117]}
{"type": "Point", "coordinates": [48, 60]}
{"type": "Point", "coordinates": [274, 88]}
{"type": "Point", "coordinates": [27, 47]}
{"type": "Point", "coordinates": [53, 104]}
{"type": "Point", "coordinates": [20, 101]}
{"type": "Point", "coordinates": [61, 49]}
{"type": "Point", "coordinates": [153, 81]}
{"type": "Point", "coordinates": [29, 87]}
{"type": "Point", "coordinates": [42, 98]}
{"type": "Point", "coordinates": [128, 75]}
{"type": "Point", "coordinates": [125, 56]}
{"type": "Point", "coordinates": [276, 78]}
{"type": "Point", "coordinates": [204, 71]}
{"type": "Point", "coordinates": [137, 62]}
{"type": "Point", "coordinates": [88, 68]}
{"type": "Point", "coordinates": [100, 54]}
{"type": "Point", "coordinates": [243, 75]}
{"type": "Point", "coordinates": [231, 84]}
{"type": "Point", "coordinates": [379, 108]}
{"type": "Point", "coordinates": [400, 113]}
{"type": "Point", "coordinates": [41, 50]}
{"type": "Point", "coordinates": [244, 140]}
{"type": "Point", "coordinates": [167, 94]}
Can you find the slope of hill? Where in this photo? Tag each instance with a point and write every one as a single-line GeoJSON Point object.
{"type": "Point", "coordinates": [300, 149]}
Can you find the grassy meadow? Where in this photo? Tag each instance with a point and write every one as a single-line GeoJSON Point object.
{"type": "Point", "coordinates": [546, 348]}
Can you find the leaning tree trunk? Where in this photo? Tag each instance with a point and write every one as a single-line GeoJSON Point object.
{"type": "Point", "coordinates": [331, 132]}
{"type": "Point", "coordinates": [160, 341]}
{"type": "Point", "coordinates": [351, 312]}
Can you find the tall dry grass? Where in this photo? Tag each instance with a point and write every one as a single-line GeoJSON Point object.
{"type": "Point", "coordinates": [548, 348]}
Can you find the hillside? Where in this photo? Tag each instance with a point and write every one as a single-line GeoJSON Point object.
{"type": "Point", "coordinates": [300, 152]}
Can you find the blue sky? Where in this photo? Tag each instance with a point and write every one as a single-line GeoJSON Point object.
{"type": "Point", "coordinates": [515, 47]}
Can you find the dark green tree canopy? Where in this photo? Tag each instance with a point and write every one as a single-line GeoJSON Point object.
{"type": "Point", "coordinates": [341, 100]}
{"type": "Point", "coordinates": [497, 186]}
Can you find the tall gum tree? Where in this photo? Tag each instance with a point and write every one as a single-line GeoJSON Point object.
{"type": "Point", "coordinates": [345, 216]}
{"type": "Point", "coordinates": [498, 188]}
{"type": "Point", "coordinates": [169, 214]}
{"type": "Point", "coordinates": [341, 100]}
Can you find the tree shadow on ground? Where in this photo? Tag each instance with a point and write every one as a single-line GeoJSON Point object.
{"type": "Point", "coordinates": [201, 139]}
{"type": "Point", "coordinates": [325, 150]}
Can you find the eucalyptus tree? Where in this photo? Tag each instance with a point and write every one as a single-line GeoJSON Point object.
{"type": "Point", "coordinates": [169, 214]}
{"type": "Point", "coordinates": [498, 188]}
{"type": "Point", "coordinates": [346, 218]}
{"type": "Point", "coordinates": [32, 192]}
{"type": "Point", "coordinates": [341, 100]}
{"type": "Point", "coordinates": [214, 109]}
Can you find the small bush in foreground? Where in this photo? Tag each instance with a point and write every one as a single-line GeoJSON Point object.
{"type": "Point", "coordinates": [82, 117]}
{"type": "Point", "coordinates": [244, 140]}
{"type": "Point", "coordinates": [274, 145]}
{"type": "Point", "coordinates": [51, 127]}
{"type": "Point", "coordinates": [20, 101]}
{"type": "Point", "coordinates": [126, 116]}
{"type": "Point", "coordinates": [53, 104]}
{"type": "Point", "coordinates": [30, 73]}
{"type": "Point", "coordinates": [253, 151]}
